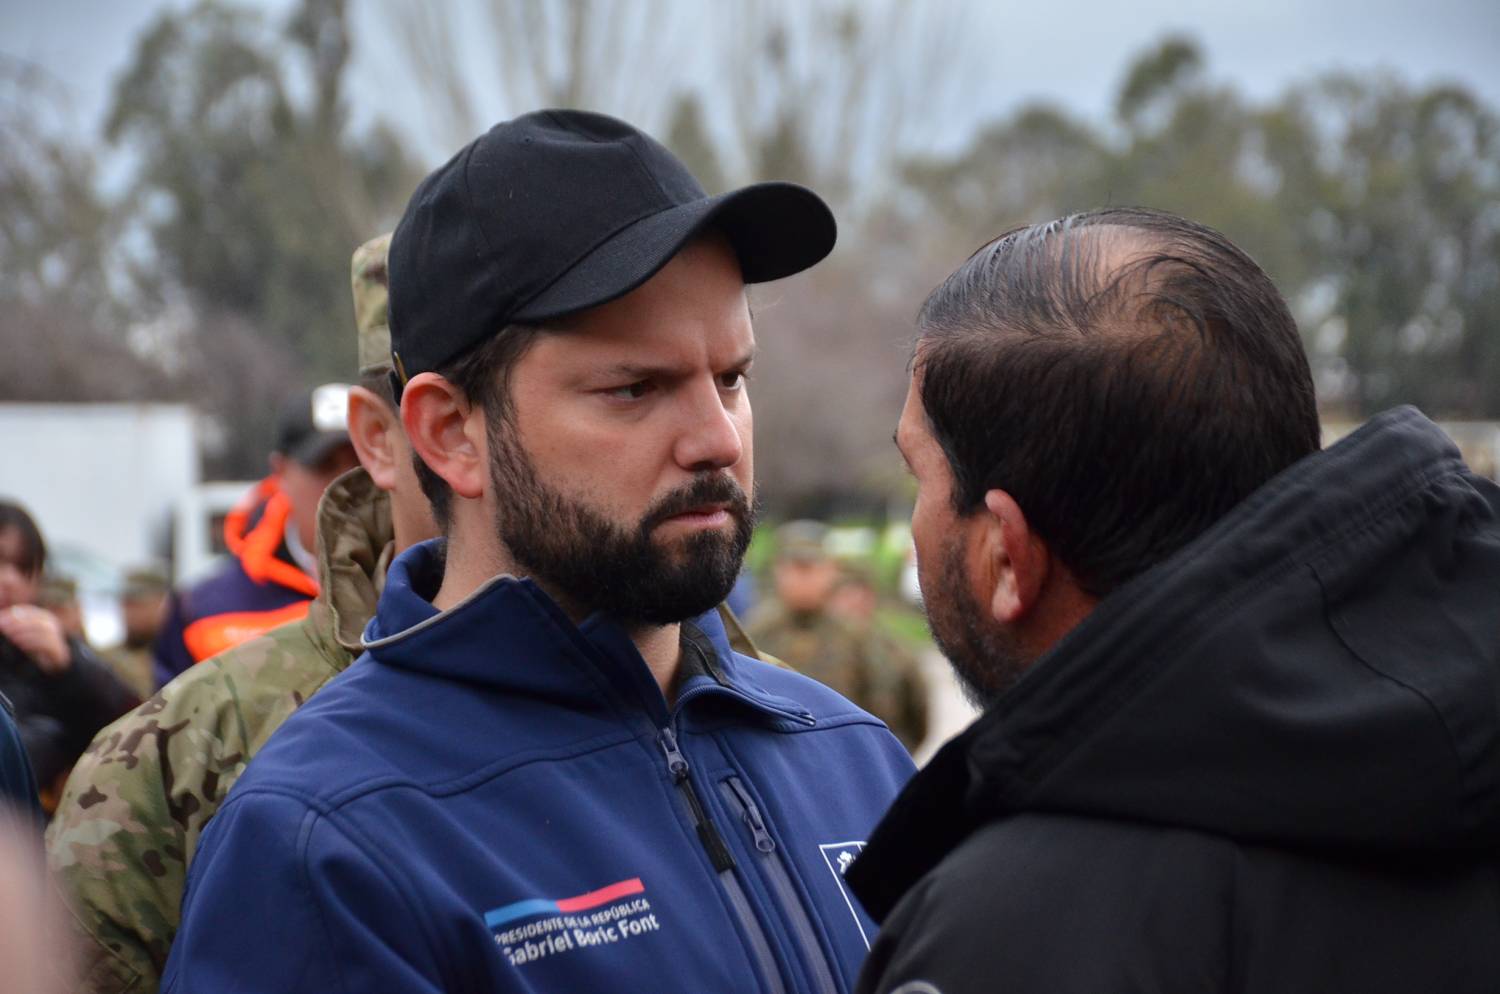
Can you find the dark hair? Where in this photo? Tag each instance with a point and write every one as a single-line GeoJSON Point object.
{"type": "Point", "coordinates": [1126, 375]}
{"type": "Point", "coordinates": [483, 375]}
{"type": "Point", "coordinates": [33, 548]}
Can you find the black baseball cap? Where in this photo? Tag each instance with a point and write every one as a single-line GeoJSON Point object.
{"type": "Point", "coordinates": [562, 210]}
{"type": "Point", "coordinates": [313, 424]}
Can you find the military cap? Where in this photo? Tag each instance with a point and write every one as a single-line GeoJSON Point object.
{"type": "Point", "coordinates": [367, 273]}
{"type": "Point", "coordinates": [144, 581]}
{"type": "Point", "coordinates": [802, 541]}
{"type": "Point", "coordinates": [55, 590]}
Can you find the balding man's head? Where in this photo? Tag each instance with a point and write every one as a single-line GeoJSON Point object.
{"type": "Point", "coordinates": [1126, 375]}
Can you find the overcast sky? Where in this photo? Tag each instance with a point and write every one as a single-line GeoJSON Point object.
{"type": "Point", "coordinates": [1069, 51]}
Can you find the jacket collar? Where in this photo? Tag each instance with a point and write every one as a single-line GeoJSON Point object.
{"type": "Point", "coordinates": [511, 636]}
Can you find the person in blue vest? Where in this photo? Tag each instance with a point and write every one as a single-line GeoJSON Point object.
{"type": "Point", "coordinates": [270, 575]}
{"type": "Point", "coordinates": [549, 771]}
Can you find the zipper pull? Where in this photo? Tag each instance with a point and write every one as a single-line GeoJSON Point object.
{"type": "Point", "coordinates": [763, 840]}
{"type": "Point", "coordinates": [713, 843]}
{"type": "Point", "coordinates": [677, 763]}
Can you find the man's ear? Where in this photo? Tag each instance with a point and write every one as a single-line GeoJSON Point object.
{"type": "Point", "coordinates": [277, 462]}
{"type": "Point", "coordinates": [373, 430]}
{"type": "Point", "coordinates": [445, 432]}
{"type": "Point", "coordinates": [1015, 560]}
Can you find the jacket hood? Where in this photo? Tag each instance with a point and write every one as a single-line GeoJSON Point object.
{"type": "Point", "coordinates": [356, 542]}
{"type": "Point", "coordinates": [1319, 670]}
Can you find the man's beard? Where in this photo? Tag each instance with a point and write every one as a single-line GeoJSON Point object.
{"type": "Point", "coordinates": [984, 656]}
{"type": "Point", "coordinates": [594, 564]}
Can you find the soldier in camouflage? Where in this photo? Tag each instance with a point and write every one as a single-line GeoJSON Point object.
{"type": "Point", "coordinates": [143, 606]}
{"type": "Point", "coordinates": [137, 802]}
{"type": "Point", "coordinates": [853, 659]}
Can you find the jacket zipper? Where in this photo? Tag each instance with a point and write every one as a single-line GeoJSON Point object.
{"type": "Point", "coordinates": [781, 882]}
{"type": "Point", "coordinates": [722, 860]}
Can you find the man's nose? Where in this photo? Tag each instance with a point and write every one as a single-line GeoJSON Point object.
{"type": "Point", "coordinates": [709, 437]}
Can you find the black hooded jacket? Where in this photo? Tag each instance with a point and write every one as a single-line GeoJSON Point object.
{"type": "Point", "coordinates": [1269, 764]}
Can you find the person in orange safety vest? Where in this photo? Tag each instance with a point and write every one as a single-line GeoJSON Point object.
{"type": "Point", "coordinates": [270, 578]}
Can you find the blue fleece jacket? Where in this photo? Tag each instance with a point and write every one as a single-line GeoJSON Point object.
{"type": "Point", "coordinates": [495, 799]}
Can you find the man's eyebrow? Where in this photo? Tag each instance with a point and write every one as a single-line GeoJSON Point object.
{"type": "Point", "coordinates": [637, 371]}
{"type": "Point", "coordinates": [643, 371]}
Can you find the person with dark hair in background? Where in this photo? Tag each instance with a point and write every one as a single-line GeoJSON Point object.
{"type": "Point", "coordinates": [1240, 728]}
{"type": "Point", "coordinates": [551, 770]}
{"type": "Point", "coordinates": [62, 694]}
{"type": "Point", "coordinates": [271, 578]}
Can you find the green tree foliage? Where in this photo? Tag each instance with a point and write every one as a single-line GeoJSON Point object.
{"type": "Point", "coordinates": [1375, 207]}
{"type": "Point", "coordinates": [1172, 67]}
{"type": "Point", "coordinates": [221, 276]}
{"type": "Point", "coordinates": [253, 192]}
{"type": "Point", "coordinates": [62, 319]}
{"type": "Point", "coordinates": [1402, 226]}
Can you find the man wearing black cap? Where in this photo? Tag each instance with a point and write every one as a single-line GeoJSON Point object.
{"type": "Point", "coordinates": [271, 536]}
{"type": "Point", "coordinates": [550, 771]}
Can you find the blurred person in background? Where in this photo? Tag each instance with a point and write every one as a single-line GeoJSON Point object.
{"type": "Point", "coordinates": [59, 594]}
{"type": "Point", "coordinates": [798, 625]}
{"type": "Point", "coordinates": [549, 705]}
{"type": "Point", "coordinates": [61, 692]}
{"type": "Point", "coordinates": [1241, 693]}
{"type": "Point", "coordinates": [143, 607]}
{"type": "Point", "coordinates": [271, 577]}
{"type": "Point", "coordinates": [893, 684]}
{"type": "Point", "coordinates": [140, 797]}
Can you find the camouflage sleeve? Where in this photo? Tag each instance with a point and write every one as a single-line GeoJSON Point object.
{"type": "Point", "coordinates": [133, 809]}
{"type": "Point", "coordinates": [116, 851]}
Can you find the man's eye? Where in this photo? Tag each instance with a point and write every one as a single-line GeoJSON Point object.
{"type": "Point", "coordinates": [631, 391]}
{"type": "Point", "coordinates": [731, 381]}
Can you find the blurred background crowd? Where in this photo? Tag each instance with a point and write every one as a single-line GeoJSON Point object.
{"type": "Point", "coordinates": [182, 184]}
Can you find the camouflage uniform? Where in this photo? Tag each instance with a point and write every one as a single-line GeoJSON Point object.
{"type": "Point", "coordinates": [864, 665]}
{"type": "Point", "coordinates": [134, 662]}
{"type": "Point", "coordinates": [137, 801]}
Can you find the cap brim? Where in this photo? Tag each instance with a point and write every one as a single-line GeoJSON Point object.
{"type": "Point", "coordinates": [776, 230]}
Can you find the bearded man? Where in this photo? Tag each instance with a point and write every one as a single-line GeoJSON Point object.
{"type": "Point", "coordinates": [550, 771]}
